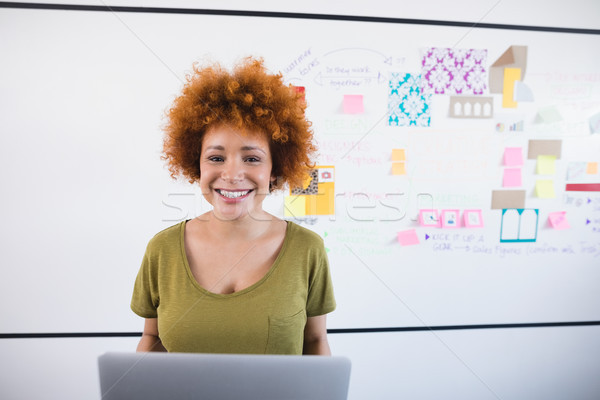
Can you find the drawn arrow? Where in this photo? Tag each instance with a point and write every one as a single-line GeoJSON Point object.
{"type": "Point", "coordinates": [426, 236]}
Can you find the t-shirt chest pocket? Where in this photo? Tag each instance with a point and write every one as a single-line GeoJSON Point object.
{"type": "Point", "coordinates": [286, 334]}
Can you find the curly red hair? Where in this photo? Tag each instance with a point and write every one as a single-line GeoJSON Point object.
{"type": "Point", "coordinates": [249, 99]}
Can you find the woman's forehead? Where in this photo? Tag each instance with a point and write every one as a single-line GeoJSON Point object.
{"type": "Point", "coordinates": [226, 136]}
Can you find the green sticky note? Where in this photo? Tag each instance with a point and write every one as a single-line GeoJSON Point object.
{"type": "Point", "coordinates": [544, 189]}
{"type": "Point", "coordinates": [546, 165]}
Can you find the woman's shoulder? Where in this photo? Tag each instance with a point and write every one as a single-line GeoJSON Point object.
{"type": "Point", "coordinates": [168, 235]}
{"type": "Point", "coordinates": [300, 233]}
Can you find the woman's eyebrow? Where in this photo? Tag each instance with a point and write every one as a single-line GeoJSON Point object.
{"type": "Point", "coordinates": [243, 148]}
{"type": "Point", "coordinates": [251, 148]}
{"type": "Point", "coordinates": [215, 147]}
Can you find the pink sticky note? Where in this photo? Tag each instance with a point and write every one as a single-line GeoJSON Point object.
{"type": "Point", "coordinates": [512, 177]}
{"type": "Point", "coordinates": [450, 218]}
{"type": "Point", "coordinates": [408, 237]}
{"type": "Point", "coordinates": [429, 218]}
{"type": "Point", "coordinates": [558, 220]}
{"type": "Point", "coordinates": [513, 156]}
{"type": "Point", "coordinates": [353, 104]}
{"type": "Point", "coordinates": [473, 218]}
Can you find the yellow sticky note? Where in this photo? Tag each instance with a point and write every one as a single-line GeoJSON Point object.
{"type": "Point", "coordinates": [544, 189]}
{"type": "Point", "coordinates": [592, 168]}
{"type": "Point", "coordinates": [398, 155]}
{"type": "Point", "coordinates": [294, 206]}
{"type": "Point", "coordinates": [546, 165]}
{"type": "Point", "coordinates": [510, 76]}
{"type": "Point", "coordinates": [398, 168]}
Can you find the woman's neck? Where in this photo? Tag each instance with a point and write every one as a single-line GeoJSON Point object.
{"type": "Point", "coordinates": [247, 228]}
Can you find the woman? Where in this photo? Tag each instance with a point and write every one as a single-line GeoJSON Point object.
{"type": "Point", "coordinates": [236, 279]}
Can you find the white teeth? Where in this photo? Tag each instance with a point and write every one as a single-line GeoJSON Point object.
{"type": "Point", "coordinates": [233, 195]}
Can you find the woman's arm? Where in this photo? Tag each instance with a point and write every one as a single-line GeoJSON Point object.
{"type": "Point", "coordinates": [315, 336]}
{"type": "Point", "coordinates": [150, 340]}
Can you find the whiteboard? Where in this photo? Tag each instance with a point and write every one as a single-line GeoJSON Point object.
{"type": "Point", "coordinates": [82, 100]}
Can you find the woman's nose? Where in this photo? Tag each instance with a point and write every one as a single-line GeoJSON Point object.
{"type": "Point", "coordinates": [232, 171]}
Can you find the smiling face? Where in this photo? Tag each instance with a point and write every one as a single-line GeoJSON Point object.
{"type": "Point", "coordinates": [235, 172]}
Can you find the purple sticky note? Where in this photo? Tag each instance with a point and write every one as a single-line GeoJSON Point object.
{"type": "Point", "coordinates": [512, 177]}
{"type": "Point", "coordinates": [408, 237]}
{"type": "Point", "coordinates": [558, 220]}
{"type": "Point", "coordinates": [513, 156]}
{"type": "Point", "coordinates": [353, 104]}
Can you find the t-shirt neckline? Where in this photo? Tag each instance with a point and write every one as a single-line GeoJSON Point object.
{"type": "Point", "coordinates": [248, 289]}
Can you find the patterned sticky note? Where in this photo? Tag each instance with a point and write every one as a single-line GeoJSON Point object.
{"type": "Point", "coordinates": [454, 71]}
{"type": "Point", "coordinates": [408, 237]}
{"type": "Point", "coordinates": [398, 155]}
{"type": "Point", "coordinates": [576, 170]}
{"type": "Point", "coordinates": [407, 106]}
{"type": "Point", "coordinates": [592, 168]}
{"type": "Point", "coordinates": [513, 156]}
{"type": "Point", "coordinates": [558, 220]}
{"type": "Point", "coordinates": [398, 168]}
{"type": "Point", "coordinates": [512, 177]}
{"type": "Point", "coordinates": [315, 197]}
{"type": "Point", "coordinates": [546, 165]}
{"type": "Point", "coordinates": [544, 189]}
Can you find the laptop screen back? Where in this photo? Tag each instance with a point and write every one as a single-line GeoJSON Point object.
{"type": "Point", "coordinates": [179, 376]}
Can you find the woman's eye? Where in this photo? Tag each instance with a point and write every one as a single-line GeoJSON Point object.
{"type": "Point", "coordinates": [252, 159]}
{"type": "Point", "coordinates": [215, 158]}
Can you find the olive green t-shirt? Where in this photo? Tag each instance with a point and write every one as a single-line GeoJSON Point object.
{"type": "Point", "coordinates": [267, 317]}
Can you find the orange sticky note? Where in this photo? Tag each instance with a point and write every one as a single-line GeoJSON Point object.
{"type": "Point", "coordinates": [398, 155]}
{"type": "Point", "coordinates": [398, 168]}
{"type": "Point", "coordinates": [353, 104]}
{"type": "Point", "coordinates": [592, 168]}
{"type": "Point", "coordinates": [510, 76]}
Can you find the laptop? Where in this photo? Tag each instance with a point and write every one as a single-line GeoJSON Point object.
{"type": "Point", "coordinates": [178, 376]}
